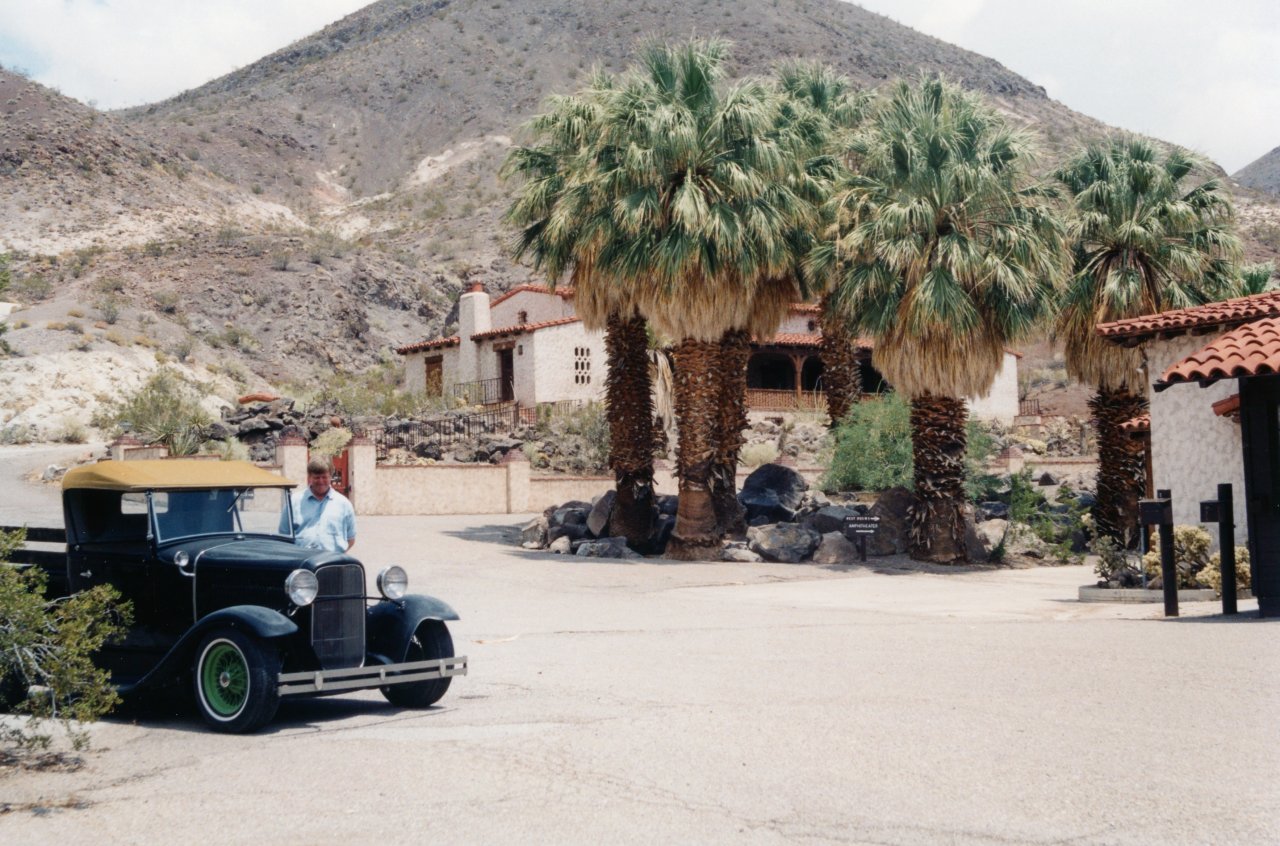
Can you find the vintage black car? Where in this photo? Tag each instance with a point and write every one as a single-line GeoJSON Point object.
{"type": "Point", "coordinates": [224, 599]}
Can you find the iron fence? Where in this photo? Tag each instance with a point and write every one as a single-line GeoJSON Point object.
{"type": "Point", "coordinates": [482, 391]}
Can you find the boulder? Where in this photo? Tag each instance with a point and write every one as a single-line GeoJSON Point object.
{"type": "Point", "coordinates": [893, 535]}
{"type": "Point", "coordinates": [1046, 479]}
{"type": "Point", "coordinates": [835, 549]}
{"type": "Point", "coordinates": [740, 554]}
{"type": "Point", "coordinates": [218, 432]}
{"type": "Point", "coordinates": [992, 511]}
{"type": "Point", "coordinates": [572, 531]}
{"type": "Point", "coordinates": [606, 548]}
{"type": "Point", "coordinates": [787, 543]}
{"type": "Point", "coordinates": [598, 518]}
{"type": "Point", "coordinates": [560, 545]}
{"type": "Point", "coordinates": [982, 538]}
{"type": "Point", "coordinates": [668, 504]}
{"type": "Point", "coordinates": [535, 532]}
{"type": "Point", "coordinates": [828, 518]}
{"type": "Point", "coordinates": [573, 512]}
{"type": "Point", "coordinates": [1022, 542]}
{"type": "Point", "coordinates": [773, 491]}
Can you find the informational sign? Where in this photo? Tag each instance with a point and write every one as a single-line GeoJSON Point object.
{"type": "Point", "coordinates": [861, 525]}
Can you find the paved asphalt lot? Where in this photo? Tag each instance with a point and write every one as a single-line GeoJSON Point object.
{"type": "Point", "coordinates": [661, 702]}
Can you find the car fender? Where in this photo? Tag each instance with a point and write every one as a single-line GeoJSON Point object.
{"type": "Point", "coordinates": [261, 622]}
{"type": "Point", "coordinates": [390, 624]}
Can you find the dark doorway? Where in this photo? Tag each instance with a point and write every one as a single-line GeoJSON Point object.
{"type": "Point", "coordinates": [1260, 431]}
{"type": "Point", "coordinates": [770, 371]}
{"type": "Point", "coordinates": [811, 374]}
{"type": "Point", "coordinates": [507, 373]}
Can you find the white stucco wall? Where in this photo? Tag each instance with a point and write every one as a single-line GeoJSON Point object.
{"type": "Point", "coordinates": [415, 368]}
{"type": "Point", "coordinates": [797, 323]}
{"type": "Point", "coordinates": [1001, 402]}
{"type": "Point", "coordinates": [552, 354]}
{"type": "Point", "coordinates": [1192, 449]}
{"type": "Point", "coordinates": [539, 307]}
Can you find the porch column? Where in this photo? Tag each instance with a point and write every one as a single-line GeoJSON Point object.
{"type": "Point", "coordinates": [362, 487]}
{"type": "Point", "coordinates": [797, 362]}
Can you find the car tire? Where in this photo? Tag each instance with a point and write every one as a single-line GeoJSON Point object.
{"type": "Point", "coordinates": [237, 681]}
{"type": "Point", "coordinates": [430, 641]}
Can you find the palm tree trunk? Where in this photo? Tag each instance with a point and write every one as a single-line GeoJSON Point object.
{"type": "Point", "coordinates": [1121, 467]}
{"type": "Point", "coordinates": [841, 374]}
{"type": "Point", "coordinates": [731, 373]}
{"type": "Point", "coordinates": [937, 514]}
{"type": "Point", "coordinates": [696, 533]}
{"type": "Point", "coordinates": [630, 408]}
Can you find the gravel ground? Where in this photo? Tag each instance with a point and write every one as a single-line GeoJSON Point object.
{"type": "Point", "coordinates": [654, 701]}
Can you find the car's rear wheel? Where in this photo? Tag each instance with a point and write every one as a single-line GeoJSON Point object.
{"type": "Point", "coordinates": [430, 641]}
{"type": "Point", "coordinates": [236, 678]}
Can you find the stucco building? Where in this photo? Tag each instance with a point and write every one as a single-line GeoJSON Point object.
{"type": "Point", "coordinates": [1225, 431]}
{"type": "Point", "coordinates": [529, 346]}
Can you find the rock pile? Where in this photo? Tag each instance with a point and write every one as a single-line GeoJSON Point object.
{"type": "Point", "coordinates": [260, 424]}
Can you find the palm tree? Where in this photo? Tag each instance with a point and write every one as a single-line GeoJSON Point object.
{"type": "Point", "coordinates": [1143, 241]}
{"type": "Point", "coordinates": [821, 108]}
{"type": "Point", "coordinates": [1256, 278]}
{"type": "Point", "coordinates": [944, 250]}
{"type": "Point", "coordinates": [704, 205]}
{"type": "Point", "coordinates": [560, 214]}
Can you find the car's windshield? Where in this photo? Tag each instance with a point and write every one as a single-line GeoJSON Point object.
{"type": "Point", "coordinates": [252, 511]}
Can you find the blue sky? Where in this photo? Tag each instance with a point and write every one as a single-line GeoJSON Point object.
{"type": "Point", "coordinates": [1209, 80]}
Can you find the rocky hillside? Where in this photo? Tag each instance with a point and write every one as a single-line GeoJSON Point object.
{"type": "Point", "coordinates": [307, 213]}
{"type": "Point", "coordinates": [1262, 174]}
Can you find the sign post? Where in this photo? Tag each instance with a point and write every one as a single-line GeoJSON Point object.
{"type": "Point", "coordinates": [1222, 512]}
{"type": "Point", "coordinates": [1159, 512]}
{"type": "Point", "coordinates": [857, 528]}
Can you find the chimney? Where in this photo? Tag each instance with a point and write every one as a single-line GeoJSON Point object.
{"type": "Point", "coordinates": [473, 317]}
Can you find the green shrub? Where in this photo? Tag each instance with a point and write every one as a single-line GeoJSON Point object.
{"type": "Point", "coordinates": [50, 643]}
{"type": "Point", "coordinates": [873, 449]}
{"type": "Point", "coordinates": [166, 410]}
{"type": "Point", "coordinates": [1211, 575]}
{"type": "Point", "coordinates": [754, 455]}
{"type": "Point", "coordinates": [1190, 556]}
{"type": "Point", "coordinates": [1114, 565]}
{"type": "Point", "coordinates": [331, 442]}
{"type": "Point", "coordinates": [575, 440]}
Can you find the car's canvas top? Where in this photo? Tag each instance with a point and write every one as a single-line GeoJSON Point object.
{"type": "Point", "coordinates": [171, 474]}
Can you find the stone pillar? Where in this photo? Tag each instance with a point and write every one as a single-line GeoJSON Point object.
{"type": "Point", "coordinates": [124, 442]}
{"type": "Point", "coordinates": [473, 317]}
{"type": "Point", "coordinates": [291, 455]}
{"type": "Point", "coordinates": [518, 472]}
{"type": "Point", "coordinates": [362, 486]}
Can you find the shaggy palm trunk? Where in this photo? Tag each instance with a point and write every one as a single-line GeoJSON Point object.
{"type": "Point", "coordinates": [731, 373]}
{"type": "Point", "coordinates": [630, 405]}
{"type": "Point", "coordinates": [1121, 470]}
{"type": "Point", "coordinates": [841, 374]}
{"type": "Point", "coordinates": [937, 514]}
{"type": "Point", "coordinates": [697, 393]}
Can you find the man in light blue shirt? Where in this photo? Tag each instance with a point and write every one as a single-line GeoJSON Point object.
{"type": "Point", "coordinates": [322, 517]}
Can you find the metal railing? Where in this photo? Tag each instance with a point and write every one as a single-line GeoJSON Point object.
{"type": "Point", "coordinates": [482, 391]}
{"type": "Point", "coordinates": [1029, 408]}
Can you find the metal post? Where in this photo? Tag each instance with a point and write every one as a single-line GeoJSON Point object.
{"type": "Point", "coordinates": [1168, 568]}
{"type": "Point", "coordinates": [1227, 544]}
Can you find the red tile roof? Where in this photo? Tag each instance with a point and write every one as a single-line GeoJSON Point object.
{"type": "Point", "coordinates": [563, 293]}
{"type": "Point", "coordinates": [1198, 320]}
{"type": "Point", "coordinates": [796, 339]}
{"type": "Point", "coordinates": [1137, 426]}
{"type": "Point", "coordinates": [523, 328]}
{"type": "Point", "coordinates": [805, 308]}
{"type": "Point", "coordinates": [433, 344]}
{"type": "Point", "coordinates": [1249, 350]}
{"type": "Point", "coordinates": [1227, 407]}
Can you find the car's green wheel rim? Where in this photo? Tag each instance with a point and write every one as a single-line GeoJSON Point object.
{"type": "Point", "coordinates": [224, 679]}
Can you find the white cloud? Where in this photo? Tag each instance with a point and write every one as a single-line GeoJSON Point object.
{"type": "Point", "coordinates": [126, 52]}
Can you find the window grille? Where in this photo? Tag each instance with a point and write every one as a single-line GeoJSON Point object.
{"type": "Point", "coordinates": [582, 365]}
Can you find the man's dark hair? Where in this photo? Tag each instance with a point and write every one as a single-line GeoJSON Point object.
{"type": "Point", "coordinates": [319, 465]}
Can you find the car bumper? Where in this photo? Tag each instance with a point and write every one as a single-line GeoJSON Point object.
{"type": "Point", "coordinates": [377, 675]}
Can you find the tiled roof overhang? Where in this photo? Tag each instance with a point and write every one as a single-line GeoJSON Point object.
{"type": "Point", "coordinates": [523, 328]}
{"type": "Point", "coordinates": [794, 339]}
{"type": "Point", "coordinates": [433, 344]}
{"type": "Point", "coordinates": [1139, 425]}
{"type": "Point", "coordinates": [1249, 350]}
{"type": "Point", "coordinates": [1200, 320]}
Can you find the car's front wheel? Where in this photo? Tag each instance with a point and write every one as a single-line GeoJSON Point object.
{"type": "Point", "coordinates": [430, 641]}
{"type": "Point", "coordinates": [236, 678]}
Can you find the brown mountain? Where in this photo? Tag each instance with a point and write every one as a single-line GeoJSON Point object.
{"type": "Point", "coordinates": [1262, 174]}
{"type": "Point", "coordinates": [327, 200]}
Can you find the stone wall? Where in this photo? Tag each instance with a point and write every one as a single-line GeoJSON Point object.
{"type": "Point", "coordinates": [1193, 449]}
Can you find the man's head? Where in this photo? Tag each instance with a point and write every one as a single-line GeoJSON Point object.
{"type": "Point", "coordinates": [319, 477]}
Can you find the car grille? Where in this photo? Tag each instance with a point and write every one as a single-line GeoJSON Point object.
{"type": "Point", "coordinates": [337, 617]}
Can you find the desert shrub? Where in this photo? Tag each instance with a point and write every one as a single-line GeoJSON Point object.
{"type": "Point", "coordinates": [6, 279]}
{"type": "Point", "coordinates": [165, 410]}
{"type": "Point", "coordinates": [231, 449]}
{"type": "Point", "coordinates": [17, 434]}
{"type": "Point", "coordinates": [1211, 575]}
{"type": "Point", "coordinates": [1190, 555]}
{"type": "Point", "coordinates": [1114, 565]}
{"type": "Point", "coordinates": [166, 301]}
{"type": "Point", "coordinates": [109, 308]}
{"type": "Point", "coordinates": [376, 390]}
{"type": "Point", "coordinates": [50, 643]}
{"type": "Point", "coordinates": [331, 442]}
{"type": "Point", "coordinates": [72, 432]}
{"type": "Point", "coordinates": [873, 448]}
{"type": "Point", "coordinates": [754, 455]}
{"type": "Point", "coordinates": [575, 440]}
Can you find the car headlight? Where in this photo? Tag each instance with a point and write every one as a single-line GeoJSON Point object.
{"type": "Point", "coordinates": [302, 587]}
{"type": "Point", "coordinates": [181, 558]}
{"type": "Point", "coordinates": [393, 582]}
